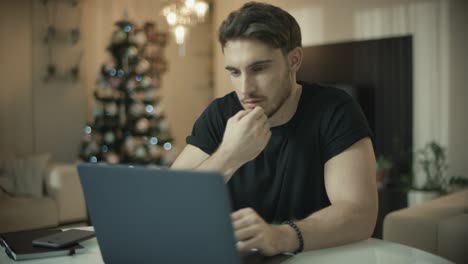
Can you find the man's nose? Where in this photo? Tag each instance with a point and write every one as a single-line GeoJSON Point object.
{"type": "Point", "coordinates": [247, 85]}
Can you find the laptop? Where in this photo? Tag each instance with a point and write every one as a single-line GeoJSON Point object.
{"type": "Point", "coordinates": [149, 215]}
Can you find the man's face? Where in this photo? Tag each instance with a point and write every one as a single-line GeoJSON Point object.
{"type": "Point", "coordinates": [260, 74]}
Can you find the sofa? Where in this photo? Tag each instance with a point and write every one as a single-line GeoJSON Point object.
{"type": "Point", "coordinates": [439, 226]}
{"type": "Point", "coordinates": [60, 203]}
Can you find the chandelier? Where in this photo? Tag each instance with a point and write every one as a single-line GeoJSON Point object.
{"type": "Point", "coordinates": [181, 15]}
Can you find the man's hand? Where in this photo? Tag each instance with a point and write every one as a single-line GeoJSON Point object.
{"type": "Point", "coordinates": [246, 135]}
{"type": "Point", "coordinates": [251, 231]}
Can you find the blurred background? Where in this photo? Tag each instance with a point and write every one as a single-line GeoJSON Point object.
{"type": "Point", "coordinates": [123, 81]}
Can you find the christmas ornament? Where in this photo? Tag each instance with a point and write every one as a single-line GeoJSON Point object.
{"type": "Point", "coordinates": [104, 148]}
{"type": "Point", "coordinates": [112, 158]}
{"type": "Point", "coordinates": [146, 82]}
{"type": "Point", "coordinates": [142, 66]}
{"type": "Point", "coordinates": [139, 38]}
{"type": "Point", "coordinates": [140, 152]}
{"type": "Point", "coordinates": [118, 37]}
{"type": "Point", "coordinates": [130, 144]}
{"type": "Point", "coordinates": [131, 52]}
{"type": "Point", "coordinates": [109, 137]}
{"type": "Point", "coordinates": [142, 125]}
{"type": "Point", "coordinates": [92, 148]}
{"type": "Point", "coordinates": [149, 109]}
{"type": "Point", "coordinates": [131, 84]}
{"type": "Point", "coordinates": [149, 95]}
{"type": "Point", "coordinates": [111, 109]}
{"type": "Point", "coordinates": [137, 109]}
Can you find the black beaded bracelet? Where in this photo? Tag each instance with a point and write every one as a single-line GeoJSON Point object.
{"type": "Point", "coordinates": [299, 236]}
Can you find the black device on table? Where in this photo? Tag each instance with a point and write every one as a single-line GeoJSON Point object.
{"type": "Point", "coordinates": [64, 239]}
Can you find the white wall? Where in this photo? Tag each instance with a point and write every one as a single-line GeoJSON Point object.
{"type": "Point", "coordinates": [15, 74]}
{"type": "Point", "coordinates": [458, 94]}
{"type": "Point", "coordinates": [439, 58]}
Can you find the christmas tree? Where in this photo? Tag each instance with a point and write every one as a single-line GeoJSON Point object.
{"type": "Point", "coordinates": [129, 124]}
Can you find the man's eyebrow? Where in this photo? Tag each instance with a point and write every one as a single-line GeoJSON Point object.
{"type": "Point", "coordinates": [231, 68]}
{"type": "Point", "coordinates": [259, 63]}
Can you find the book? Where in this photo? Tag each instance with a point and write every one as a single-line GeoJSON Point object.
{"type": "Point", "coordinates": [18, 245]}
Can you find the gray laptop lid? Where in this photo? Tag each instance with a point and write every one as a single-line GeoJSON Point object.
{"type": "Point", "coordinates": [144, 215]}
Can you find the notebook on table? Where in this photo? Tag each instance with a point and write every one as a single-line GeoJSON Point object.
{"type": "Point", "coordinates": [18, 245]}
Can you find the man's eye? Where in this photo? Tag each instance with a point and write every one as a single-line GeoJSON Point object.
{"type": "Point", "coordinates": [258, 69]}
{"type": "Point", "coordinates": [235, 73]}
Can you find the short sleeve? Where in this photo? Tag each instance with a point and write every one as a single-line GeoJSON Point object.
{"type": "Point", "coordinates": [343, 125]}
{"type": "Point", "coordinates": [207, 132]}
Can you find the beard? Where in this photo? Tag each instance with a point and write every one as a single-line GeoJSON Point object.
{"type": "Point", "coordinates": [286, 82]}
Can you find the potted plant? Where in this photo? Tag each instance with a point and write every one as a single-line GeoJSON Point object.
{"type": "Point", "coordinates": [432, 160]}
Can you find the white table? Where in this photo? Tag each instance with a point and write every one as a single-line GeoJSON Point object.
{"type": "Point", "coordinates": [368, 251]}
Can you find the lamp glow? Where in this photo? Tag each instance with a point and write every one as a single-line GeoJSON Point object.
{"type": "Point", "coordinates": [180, 32]}
{"type": "Point", "coordinates": [171, 18]}
{"type": "Point", "coordinates": [200, 9]}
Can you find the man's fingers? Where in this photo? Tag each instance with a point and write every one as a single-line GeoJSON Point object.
{"type": "Point", "coordinates": [263, 119]}
{"type": "Point", "coordinates": [249, 244]}
{"type": "Point", "coordinates": [246, 233]}
{"type": "Point", "coordinates": [239, 115]}
{"type": "Point", "coordinates": [241, 213]}
{"type": "Point", "coordinates": [244, 221]}
{"type": "Point", "coordinates": [261, 115]}
{"type": "Point", "coordinates": [255, 114]}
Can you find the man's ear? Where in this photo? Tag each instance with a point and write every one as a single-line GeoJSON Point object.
{"type": "Point", "coordinates": [295, 59]}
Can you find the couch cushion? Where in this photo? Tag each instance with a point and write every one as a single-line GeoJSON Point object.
{"type": "Point", "coordinates": [24, 176]}
{"type": "Point", "coordinates": [22, 213]}
{"type": "Point", "coordinates": [452, 238]}
{"type": "Point", "coordinates": [63, 185]}
{"type": "Point", "coordinates": [418, 226]}
{"type": "Point", "coordinates": [455, 201]}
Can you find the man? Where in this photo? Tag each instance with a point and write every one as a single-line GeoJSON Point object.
{"type": "Point", "coordinates": [297, 158]}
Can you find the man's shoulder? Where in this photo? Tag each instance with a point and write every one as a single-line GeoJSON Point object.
{"type": "Point", "coordinates": [323, 95]}
{"type": "Point", "coordinates": [230, 99]}
{"type": "Point", "coordinates": [224, 106]}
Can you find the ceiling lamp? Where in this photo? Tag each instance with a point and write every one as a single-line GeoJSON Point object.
{"type": "Point", "coordinates": [181, 15]}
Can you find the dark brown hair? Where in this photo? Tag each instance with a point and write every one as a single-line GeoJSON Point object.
{"type": "Point", "coordinates": [263, 22]}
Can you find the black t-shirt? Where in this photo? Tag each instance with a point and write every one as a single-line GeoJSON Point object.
{"type": "Point", "coordinates": [286, 181]}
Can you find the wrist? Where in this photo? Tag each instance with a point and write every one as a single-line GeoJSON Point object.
{"type": "Point", "coordinates": [295, 240]}
{"type": "Point", "coordinates": [229, 164]}
{"type": "Point", "coordinates": [287, 239]}
{"type": "Point", "coordinates": [229, 156]}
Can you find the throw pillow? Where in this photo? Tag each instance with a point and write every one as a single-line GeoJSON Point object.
{"type": "Point", "coordinates": [7, 183]}
{"type": "Point", "coordinates": [29, 175]}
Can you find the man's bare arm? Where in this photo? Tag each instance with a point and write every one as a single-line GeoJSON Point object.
{"type": "Point", "coordinates": [193, 158]}
{"type": "Point", "coordinates": [246, 135]}
{"type": "Point", "coordinates": [351, 188]}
